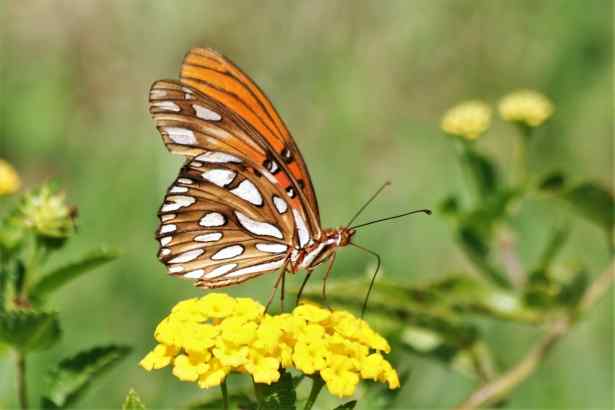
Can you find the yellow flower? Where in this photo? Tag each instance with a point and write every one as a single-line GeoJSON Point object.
{"type": "Point", "coordinates": [468, 119]}
{"type": "Point", "coordinates": [311, 313]}
{"type": "Point", "coordinates": [214, 375]}
{"type": "Point", "coordinates": [339, 375]}
{"type": "Point", "coordinates": [217, 305]}
{"type": "Point", "coordinates": [209, 337]}
{"type": "Point", "coordinates": [264, 369]}
{"type": "Point", "coordinates": [188, 368]}
{"type": "Point", "coordinates": [9, 179]}
{"type": "Point", "coordinates": [158, 358]}
{"type": "Point", "coordinates": [528, 107]}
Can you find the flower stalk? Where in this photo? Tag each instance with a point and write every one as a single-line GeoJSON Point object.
{"type": "Point", "coordinates": [22, 388]}
{"type": "Point", "coordinates": [317, 385]}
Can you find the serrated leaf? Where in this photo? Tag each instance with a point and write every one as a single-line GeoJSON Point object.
{"type": "Point", "coordinates": [553, 182]}
{"type": "Point", "coordinates": [133, 401]}
{"type": "Point", "coordinates": [29, 330]}
{"type": "Point", "coordinates": [64, 274]}
{"type": "Point", "coordinates": [72, 376]}
{"type": "Point", "coordinates": [237, 401]}
{"type": "Point", "coordinates": [280, 395]}
{"type": "Point", "coordinates": [347, 406]}
{"type": "Point", "coordinates": [593, 202]}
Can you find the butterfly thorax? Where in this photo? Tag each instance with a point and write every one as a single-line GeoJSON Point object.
{"type": "Point", "coordinates": [321, 250]}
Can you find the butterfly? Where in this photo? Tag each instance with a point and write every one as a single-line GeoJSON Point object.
{"type": "Point", "coordinates": [243, 203]}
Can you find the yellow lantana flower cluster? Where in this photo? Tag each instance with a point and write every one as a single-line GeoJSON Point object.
{"type": "Point", "coordinates": [207, 338]}
{"type": "Point", "coordinates": [9, 179]}
{"type": "Point", "coordinates": [468, 119]}
{"type": "Point", "coordinates": [526, 106]}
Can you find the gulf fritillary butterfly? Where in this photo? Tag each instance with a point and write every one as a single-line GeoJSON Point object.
{"type": "Point", "coordinates": [243, 203]}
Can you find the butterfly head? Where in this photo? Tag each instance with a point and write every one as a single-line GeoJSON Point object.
{"type": "Point", "coordinates": [342, 236]}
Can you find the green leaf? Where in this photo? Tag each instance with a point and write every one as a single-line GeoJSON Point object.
{"type": "Point", "coordinates": [482, 171]}
{"type": "Point", "coordinates": [29, 330]}
{"type": "Point", "coordinates": [449, 206]}
{"type": "Point", "coordinates": [475, 246]}
{"type": "Point", "coordinates": [556, 242]}
{"type": "Point", "coordinates": [280, 395]}
{"type": "Point", "coordinates": [593, 202]}
{"type": "Point", "coordinates": [553, 182]}
{"type": "Point", "coordinates": [64, 274]}
{"type": "Point", "coordinates": [571, 293]}
{"type": "Point", "coordinates": [237, 401]}
{"type": "Point", "coordinates": [72, 376]}
{"type": "Point", "coordinates": [347, 406]}
{"type": "Point", "coordinates": [133, 401]}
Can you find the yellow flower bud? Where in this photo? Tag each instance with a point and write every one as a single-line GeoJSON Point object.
{"type": "Point", "coordinates": [9, 179]}
{"type": "Point", "coordinates": [468, 120]}
{"type": "Point", "coordinates": [527, 107]}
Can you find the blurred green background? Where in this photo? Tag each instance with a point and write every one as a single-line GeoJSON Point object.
{"type": "Point", "coordinates": [362, 86]}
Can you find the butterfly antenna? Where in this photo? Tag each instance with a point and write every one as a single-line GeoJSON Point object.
{"type": "Point", "coordinates": [426, 211]}
{"type": "Point", "coordinates": [369, 201]}
{"type": "Point", "coordinates": [371, 283]}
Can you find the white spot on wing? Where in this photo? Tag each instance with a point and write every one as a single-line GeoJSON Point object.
{"type": "Point", "coordinates": [168, 228]}
{"type": "Point", "coordinates": [304, 234]}
{"type": "Point", "coordinates": [263, 267]}
{"type": "Point", "coordinates": [228, 252]}
{"type": "Point", "coordinates": [208, 237]}
{"type": "Point", "coordinates": [218, 157]}
{"type": "Point", "coordinates": [166, 240]}
{"type": "Point", "coordinates": [220, 270]}
{"type": "Point", "coordinates": [195, 274]}
{"type": "Point", "coordinates": [167, 105]}
{"type": "Point", "coordinates": [271, 247]}
{"type": "Point", "coordinates": [258, 228]}
{"type": "Point", "coordinates": [220, 177]}
{"type": "Point", "coordinates": [246, 190]}
{"type": "Point", "coordinates": [178, 201]}
{"type": "Point", "coordinates": [157, 93]}
{"type": "Point", "coordinates": [205, 113]}
{"type": "Point", "coordinates": [182, 136]}
{"type": "Point", "coordinates": [213, 219]}
{"type": "Point", "coordinates": [178, 189]}
{"type": "Point", "coordinates": [176, 269]}
{"type": "Point", "coordinates": [187, 256]}
{"type": "Point", "coordinates": [167, 217]}
{"type": "Point", "coordinates": [280, 204]}
{"type": "Point", "coordinates": [165, 251]}
{"type": "Point", "coordinates": [186, 181]}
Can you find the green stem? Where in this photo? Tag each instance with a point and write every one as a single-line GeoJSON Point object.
{"type": "Point", "coordinates": [22, 390]}
{"type": "Point", "coordinates": [224, 389]}
{"type": "Point", "coordinates": [317, 384]}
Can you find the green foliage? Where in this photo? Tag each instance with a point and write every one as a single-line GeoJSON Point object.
{"type": "Point", "coordinates": [347, 406]}
{"type": "Point", "coordinates": [133, 401]}
{"type": "Point", "coordinates": [280, 395]}
{"type": "Point", "coordinates": [482, 171]}
{"type": "Point", "coordinates": [26, 330]}
{"type": "Point", "coordinates": [236, 401]}
{"type": "Point", "coordinates": [59, 277]}
{"type": "Point", "coordinates": [592, 202]}
{"type": "Point", "coordinates": [72, 376]}
{"type": "Point", "coordinates": [33, 230]}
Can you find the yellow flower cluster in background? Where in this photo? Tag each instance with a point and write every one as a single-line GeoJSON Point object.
{"type": "Point", "coordinates": [207, 338]}
{"type": "Point", "coordinates": [9, 179]}
{"type": "Point", "coordinates": [526, 106]}
{"type": "Point", "coordinates": [468, 119]}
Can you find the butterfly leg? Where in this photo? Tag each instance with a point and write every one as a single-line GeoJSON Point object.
{"type": "Point", "coordinates": [324, 281]}
{"type": "Point", "coordinates": [307, 276]}
{"type": "Point", "coordinates": [275, 287]}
